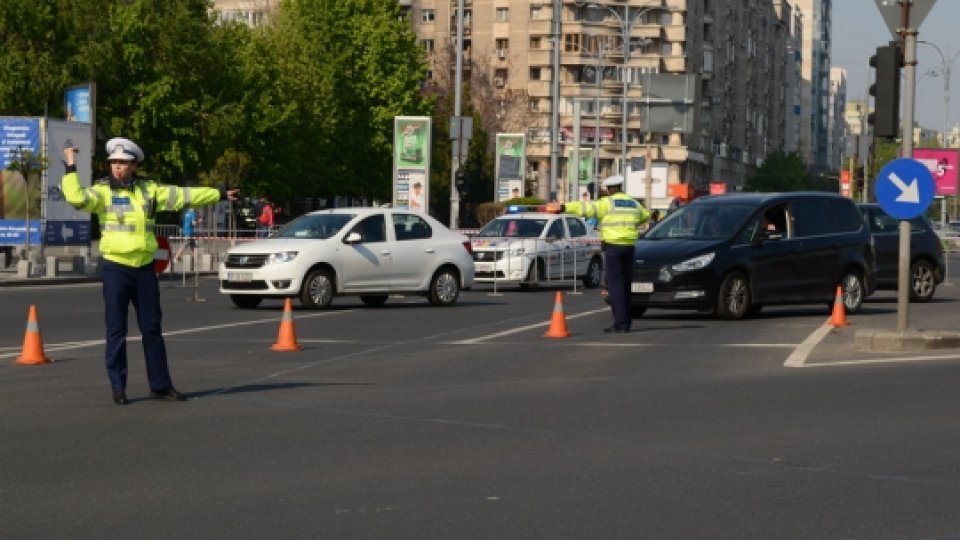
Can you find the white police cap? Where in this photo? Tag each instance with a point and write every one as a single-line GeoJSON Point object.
{"type": "Point", "coordinates": [124, 150]}
{"type": "Point", "coordinates": [613, 181]}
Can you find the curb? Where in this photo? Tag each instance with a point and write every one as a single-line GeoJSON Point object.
{"type": "Point", "coordinates": [910, 340]}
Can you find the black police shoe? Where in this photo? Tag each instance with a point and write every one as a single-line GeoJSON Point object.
{"type": "Point", "coordinates": [120, 398]}
{"type": "Point", "coordinates": [616, 330]}
{"type": "Point", "coordinates": [169, 394]}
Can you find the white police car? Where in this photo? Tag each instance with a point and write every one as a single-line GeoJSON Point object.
{"type": "Point", "coordinates": [528, 247]}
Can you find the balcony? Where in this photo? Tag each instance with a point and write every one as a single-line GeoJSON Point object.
{"type": "Point", "coordinates": [674, 64]}
{"type": "Point", "coordinates": [675, 154]}
{"type": "Point", "coordinates": [675, 33]}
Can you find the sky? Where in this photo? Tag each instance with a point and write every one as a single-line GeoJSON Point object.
{"type": "Point", "coordinates": [859, 28]}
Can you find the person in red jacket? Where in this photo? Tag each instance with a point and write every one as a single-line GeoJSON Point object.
{"type": "Point", "coordinates": [265, 220]}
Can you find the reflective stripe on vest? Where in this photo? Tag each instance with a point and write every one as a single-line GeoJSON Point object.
{"type": "Point", "coordinates": [117, 227]}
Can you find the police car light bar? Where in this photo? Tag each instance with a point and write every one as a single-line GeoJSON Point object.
{"type": "Point", "coordinates": [520, 208]}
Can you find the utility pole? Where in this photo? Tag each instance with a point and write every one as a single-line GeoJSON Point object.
{"type": "Point", "coordinates": [554, 101]}
{"type": "Point", "coordinates": [455, 147]}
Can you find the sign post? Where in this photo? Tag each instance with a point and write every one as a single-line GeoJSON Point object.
{"type": "Point", "coordinates": [904, 190]}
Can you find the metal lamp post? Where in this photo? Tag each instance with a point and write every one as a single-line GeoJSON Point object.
{"type": "Point", "coordinates": [598, 79]}
{"type": "Point", "coordinates": [945, 68]}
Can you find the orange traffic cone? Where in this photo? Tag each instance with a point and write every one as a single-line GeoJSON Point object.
{"type": "Point", "coordinates": [558, 323]}
{"type": "Point", "coordinates": [32, 342]}
{"type": "Point", "coordinates": [839, 317]}
{"type": "Point", "coordinates": [287, 338]}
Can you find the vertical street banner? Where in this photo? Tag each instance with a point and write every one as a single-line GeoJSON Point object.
{"type": "Point", "coordinates": [582, 172]}
{"type": "Point", "coordinates": [510, 165]}
{"type": "Point", "coordinates": [20, 194]}
{"type": "Point", "coordinates": [64, 225]}
{"type": "Point", "coordinates": [411, 163]}
{"type": "Point", "coordinates": [78, 102]}
{"type": "Point", "coordinates": [942, 163]}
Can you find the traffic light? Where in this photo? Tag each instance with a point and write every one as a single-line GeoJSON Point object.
{"type": "Point", "coordinates": [885, 117]}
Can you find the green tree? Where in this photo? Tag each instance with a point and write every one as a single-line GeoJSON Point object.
{"type": "Point", "coordinates": [781, 172]}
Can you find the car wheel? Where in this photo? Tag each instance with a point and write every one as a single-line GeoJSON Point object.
{"type": "Point", "coordinates": [534, 275]}
{"type": "Point", "coordinates": [373, 300]}
{"type": "Point", "coordinates": [733, 297]}
{"type": "Point", "coordinates": [591, 279]}
{"type": "Point", "coordinates": [444, 288]}
{"type": "Point", "coordinates": [317, 292]}
{"type": "Point", "coordinates": [923, 282]}
{"type": "Point", "coordinates": [246, 301]}
{"type": "Point", "coordinates": [853, 291]}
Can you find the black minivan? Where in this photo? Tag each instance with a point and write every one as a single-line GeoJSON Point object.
{"type": "Point", "coordinates": [733, 254]}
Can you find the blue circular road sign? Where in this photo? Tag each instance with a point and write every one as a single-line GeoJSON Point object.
{"type": "Point", "coordinates": [905, 188]}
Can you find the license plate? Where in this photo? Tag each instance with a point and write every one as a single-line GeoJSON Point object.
{"type": "Point", "coordinates": [239, 277]}
{"type": "Point", "coordinates": [642, 287]}
{"type": "Point", "coordinates": [483, 267]}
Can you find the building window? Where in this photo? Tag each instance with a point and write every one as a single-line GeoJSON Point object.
{"type": "Point", "coordinates": [503, 14]}
{"type": "Point", "coordinates": [428, 15]}
{"type": "Point", "coordinates": [503, 44]}
{"type": "Point", "coordinates": [536, 12]}
{"type": "Point", "coordinates": [535, 74]}
{"type": "Point", "coordinates": [535, 42]}
{"type": "Point", "coordinates": [534, 105]}
{"type": "Point", "coordinates": [427, 45]}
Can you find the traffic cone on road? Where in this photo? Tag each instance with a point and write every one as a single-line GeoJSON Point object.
{"type": "Point", "coordinates": [32, 342]}
{"type": "Point", "coordinates": [839, 317]}
{"type": "Point", "coordinates": [558, 323]}
{"type": "Point", "coordinates": [287, 337]}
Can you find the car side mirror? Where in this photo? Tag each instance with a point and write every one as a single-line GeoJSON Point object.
{"type": "Point", "coordinates": [352, 238]}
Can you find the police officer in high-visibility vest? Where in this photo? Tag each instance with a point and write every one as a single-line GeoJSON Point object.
{"type": "Point", "coordinates": [619, 217]}
{"type": "Point", "coordinates": [126, 205]}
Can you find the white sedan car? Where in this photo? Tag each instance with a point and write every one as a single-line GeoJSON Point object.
{"type": "Point", "coordinates": [529, 248]}
{"type": "Point", "coordinates": [370, 252]}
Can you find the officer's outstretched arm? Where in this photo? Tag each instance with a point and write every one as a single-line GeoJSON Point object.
{"type": "Point", "coordinates": [173, 198]}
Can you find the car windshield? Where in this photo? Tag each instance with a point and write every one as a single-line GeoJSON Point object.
{"type": "Point", "coordinates": [702, 222]}
{"type": "Point", "coordinates": [514, 227]}
{"type": "Point", "coordinates": [315, 226]}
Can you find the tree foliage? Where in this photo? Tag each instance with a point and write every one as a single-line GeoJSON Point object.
{"type": "Point", "coordinates": [781, 172]}
{"type": "Point", "coordinates": [304, 103]}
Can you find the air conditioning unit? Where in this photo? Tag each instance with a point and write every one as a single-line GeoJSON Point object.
{"type": "Point", "coordinates": [499, 82]}
{"type": "Point", "coordinates": [501, 53]}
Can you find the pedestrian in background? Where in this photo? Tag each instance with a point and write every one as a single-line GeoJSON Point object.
{"type": "Point", "coordinates": [265, 219]}
{"type": "Point", "coordinates": [126, 205]}
{"type": "Point", "coordinates": [620, 217]}
{"type": "Point", "coordinates": [190, 220]}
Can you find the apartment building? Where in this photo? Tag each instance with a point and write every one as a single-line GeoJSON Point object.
{"type": "Point", "coordinates": [815, 74]}
{"type": "Point", "coordinates": [837, 130]}
{"type": "Point", "coordinates": [711, 86]}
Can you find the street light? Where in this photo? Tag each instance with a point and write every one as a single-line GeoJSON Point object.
{"type": "Point", "coordinates": [945, 68]}
{"type": "Point", "coordinates": [627, 21]}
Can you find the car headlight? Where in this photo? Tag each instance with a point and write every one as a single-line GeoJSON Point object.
{"type": "Point", "coordinates": [695, 263]}
{"type": "Point", "coordinates": [281, 257]}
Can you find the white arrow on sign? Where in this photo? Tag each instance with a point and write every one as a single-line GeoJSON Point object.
{"type": "Point", "coordinates": [908, 194]}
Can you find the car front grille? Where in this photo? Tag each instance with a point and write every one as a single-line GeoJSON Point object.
{"type": "Point", "coordinates": [487, 256]}
{"type": "Point", "coordinates": [258, 285]}
{"type": "Point", "coordinates": [245, 261]}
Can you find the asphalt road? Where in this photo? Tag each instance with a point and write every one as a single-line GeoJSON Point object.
{"type": "Point", "coordinates": [410, 421]}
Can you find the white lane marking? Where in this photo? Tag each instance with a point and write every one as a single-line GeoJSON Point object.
{"type": "Point", "coordinates": [929, 358]}
{"type": "Point", "coordinates": [519, 329]}
{"type": "Point", "coordinates": [799, 355]}
{"type": "Point", "coordinates": [69, 345]}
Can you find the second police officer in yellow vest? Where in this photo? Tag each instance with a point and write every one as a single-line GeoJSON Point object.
{"type": "Point", "coordinates": [619, 218]}
{"type": "Point", "coordinates": [126, 205]}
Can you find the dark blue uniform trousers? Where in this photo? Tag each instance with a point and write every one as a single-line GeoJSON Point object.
{"type": "Point", "coordinates": [619, 261]}
{"type": "Point", "coordinates": [121, 285]}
